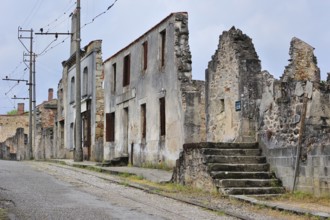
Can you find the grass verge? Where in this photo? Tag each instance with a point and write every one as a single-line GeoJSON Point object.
{"type": "Point", "coordinates": [3, 214]}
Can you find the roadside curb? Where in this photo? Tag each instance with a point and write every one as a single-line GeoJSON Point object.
{"type": "Point", "coordinates": [298, 211]}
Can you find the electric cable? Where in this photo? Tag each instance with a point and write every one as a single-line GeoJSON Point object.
{"type": "Point", "coordinates": [34, 10]}
{"type": "Point", "coordinates": [100, 14]}
{"type": "Point", "coordinates": [49, 25]}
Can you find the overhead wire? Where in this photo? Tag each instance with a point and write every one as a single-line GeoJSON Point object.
{"type": "Point", "coordinates": [59, 18]}
{"type": "Point", "coordinates": [56, 45]}
{"type": "Point", "coordinates": [15, 69]}
{"type": "Point", "coordinates": [34, 10]}
{"type": "Point", "coordinates": [100, 14]}
{"type": "Point", "coordinates": [86, 24]}
{"type": "Point", "coordinates": [44, 51]}
{"type": "Point", "coordinates": [6, 93]}
{"type": "Point", "coordinates": [51, 26]}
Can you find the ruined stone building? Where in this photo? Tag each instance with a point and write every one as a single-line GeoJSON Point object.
{"type": "Point", "coordinates": [91, 105]}
{"type": "Point", "coordinates": [45, 118]}
{"type": "Point", "coordinates": [232, 89]}
{"type": "Point", "coordinates": [152, 105]}
{"type": "Point", "coordinates": [294, 114]}
{"type": "Point", "coordinates": [288, 118]}
{"type": "Point", "coordinates": [237, 129]}
{"type": "Point", "coordinates": [13, 135]}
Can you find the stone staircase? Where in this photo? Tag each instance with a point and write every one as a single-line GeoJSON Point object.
{"type": "Point", "coordinates": [239, 169]}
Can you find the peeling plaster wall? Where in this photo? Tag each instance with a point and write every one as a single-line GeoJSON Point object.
{"type": "Point", "coordinates": [93, 100]}
{"type": "Point", "coordinates": [172, 81]}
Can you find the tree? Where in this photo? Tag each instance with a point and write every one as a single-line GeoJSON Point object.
{"type": "Point", "coordinates": [12, 112]}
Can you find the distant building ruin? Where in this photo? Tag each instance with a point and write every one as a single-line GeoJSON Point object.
{"type": "Point", "coordinates": [13, 135]}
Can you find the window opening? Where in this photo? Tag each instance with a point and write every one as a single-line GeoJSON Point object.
{"type": "Point", "coordinates": [127, 65]}
{"type": "Point", "coordinates": [110, 127]}
{"type": "Point", "coordinates": [162, 116]}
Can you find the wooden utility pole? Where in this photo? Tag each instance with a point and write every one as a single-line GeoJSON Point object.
{"type": "Point", "coordinates": [78, 153]}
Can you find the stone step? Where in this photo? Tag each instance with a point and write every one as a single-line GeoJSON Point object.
{"type": "Point", "coordinates": [234, 159]}
{"type": "Point", "coordinates": [251, 190]}
{"type": "Point", "coordinates": [231, 152]}
{"type": "Point", "coordinates": [238, 167]}
{"type": "Point", "coordinates": [226, 183]}
{"type": "Point", "coordinates": [241, 175]}
{"type": "Point", "coordinates": [229, 145]}
{"type": "Point", "coordinates": [249, 139]}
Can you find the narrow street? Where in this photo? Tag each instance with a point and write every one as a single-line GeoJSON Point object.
{"type": "Point", "coordinates": [31, 190]}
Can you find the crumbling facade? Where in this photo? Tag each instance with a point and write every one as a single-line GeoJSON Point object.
{"type": "Point", "coordinates": [294, 121]}
{"type": "Point", "coordinates": [289, 117]}
{"type": "Point", "coordinates": [45, 117]}
{"type": "Point", "coordinates": [91, 105]}
{"type": "Point", "coordinates": [13, 137]}
{"type": "Point", "coordinates": [152, 105]}
{"type": "Point", "coordinates": [232, 89]}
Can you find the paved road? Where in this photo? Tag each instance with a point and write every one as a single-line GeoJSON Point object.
{"type": "Point", "coordinates": [45, 191]}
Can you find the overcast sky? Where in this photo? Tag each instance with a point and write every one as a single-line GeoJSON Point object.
{"type": "Point", "coordinates": [270, 23]}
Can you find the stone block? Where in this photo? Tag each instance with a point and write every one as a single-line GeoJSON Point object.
{"type": "Point", "coordinates": [326, 160]}
{"type": "Point", "coordinates": [325, 150]}
{"type": "Point", "coordinates": [309, 89]}
{"type": "Point", "coordinates": [316, 161]}
{"type": "Point", "coordinates": [299, 90]}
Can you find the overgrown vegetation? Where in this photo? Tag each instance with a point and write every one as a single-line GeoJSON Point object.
{"type": "Point", "coordinates": [160, 166]}
{"type": "Point", "coordinates": [12, 112]}
{"type": "Point", "coordinates": [3, 214]}
{"type": "Point", "coordinates": [305, 197]}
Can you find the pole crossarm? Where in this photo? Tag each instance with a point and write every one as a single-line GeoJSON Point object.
{"type": "Point", "coordinates": [16, 80]}
{"type": "Point", "coordinates": [19, 98]}
{"type": "Point", "coordinates": [21, 37]}
{"type": "Point", "coordinates": [56, 34]}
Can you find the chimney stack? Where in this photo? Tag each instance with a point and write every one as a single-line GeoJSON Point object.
{"type": "Point", "coordinates": [73, 36]}
{"type": "Point", "coordinates": [50, 94]}
{"type": "Point", "coordinates": [20, 108]}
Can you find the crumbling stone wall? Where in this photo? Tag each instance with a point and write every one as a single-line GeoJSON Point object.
{"type": "Point", "coordinates": [191, 168]}
{"type": "Point", "coordinates": [193, 103]}
{"type": "Point", "coordinates": [231, 80]}
{"type": "Point", "coordinates": [97, 140]}
{"type": "Point", "coordinates": [4, 151]}
{"type": "Point", "coordinates": [294, 113]}
{"type": "Point", "coordinates": [286, 114]}
{"type": "Point", "coordinates": [15, 147]}
{"type": "Point", "coordinates": [59, 135]}
{"type": "Point", "coordinates": [10, 123]}
{"type": "Point", "coordinates": [303, 63]}
{"type": "Point", "coordinates": [45, 116]}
